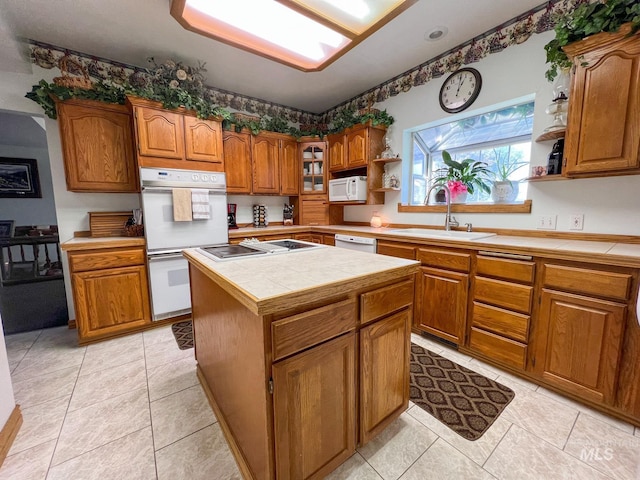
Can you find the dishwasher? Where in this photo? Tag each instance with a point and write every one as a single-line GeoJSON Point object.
{"type": "Point", "coordinates": [351, 242]}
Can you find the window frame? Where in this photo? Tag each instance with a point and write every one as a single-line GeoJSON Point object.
{"type": "Point", "coordinates": [405, 205]}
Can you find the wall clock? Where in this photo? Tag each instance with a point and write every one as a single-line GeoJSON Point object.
{"type": "Point", "coordinates": [460, 90]}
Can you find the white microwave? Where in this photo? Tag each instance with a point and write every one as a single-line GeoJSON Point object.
{"type": "Point", "coordinates": [348, 189]}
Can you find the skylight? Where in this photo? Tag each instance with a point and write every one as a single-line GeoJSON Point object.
{"type": "Point", "coordinates": [305, 34]}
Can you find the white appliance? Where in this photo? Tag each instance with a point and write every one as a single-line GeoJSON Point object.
{"type": "Point", "coordinates": [351, 242]}
{"type": "Point", "coordinates": [166, 238]}
{"type": "Point", "coordinates": [348, 189]}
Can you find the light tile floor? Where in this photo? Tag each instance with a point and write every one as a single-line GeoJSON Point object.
{"type": "Point", "coordinates": [132, 408]}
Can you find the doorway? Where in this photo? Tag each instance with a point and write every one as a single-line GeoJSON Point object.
{"type": "Point", "coordinates": [32, 292]}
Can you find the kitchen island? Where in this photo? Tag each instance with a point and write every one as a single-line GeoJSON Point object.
{"type": "Point", "coordinates": [303, 355]}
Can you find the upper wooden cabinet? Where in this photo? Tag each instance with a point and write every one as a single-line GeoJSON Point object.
{"type": "Point", "coordinates": [357, 151]}
{"type": "Point", "coordinates": [355, 147]}
{"type": "Point", "coordinates": [202, 140]}
{"type": "Point", "coordinates": [97, 147]}
{"type": "Point", "coordinates": [160, 133]}
{"type": "Point", "coordinates": [337, 160]}
{"type": "Point", "coordinates": [237, 161]}
{"type": "Point", "coordinates": [603, 130]}
{"type": "Point", "coordinates": [274, 159]}
{"type": "Point", "coordinates": [312, 168]}
{"type": "Point", "coordinates": [176, 139]}
{"type": "Point", "coordinates": [266, 164]}
{"type": "Point", "coordinates": [289, 167]}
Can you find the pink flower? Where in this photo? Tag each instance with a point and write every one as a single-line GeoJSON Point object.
{"type": "Point", "coordinates": [456, 187]}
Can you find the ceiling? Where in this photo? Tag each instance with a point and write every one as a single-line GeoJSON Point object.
{"type": "Point", "coordinates": [130, 31]}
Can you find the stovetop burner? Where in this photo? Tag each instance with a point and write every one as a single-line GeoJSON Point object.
{"type": "Point", "coordinates": [230, 251]}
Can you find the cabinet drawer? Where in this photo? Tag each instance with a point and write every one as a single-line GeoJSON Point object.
{"type": "Point", "coordinates": [380, 302]}
{"type": "Point", "coordinates": [503, 294]}
{"type": "Point", "coordinates": [396, 250]}
{"type": "Point", "coordinates": [498, 348]}
{"type": "Point", "coordinates": [500, 321]}
{"type": "Point", "coordinates": [507, 269]}
{"type": "Point", "coordinates": [445, 259]}
{"type": "Point", "coordinates": [81, 262]}
{"type": "Point", "coordinates": [293, 334]}
{"type": "Point", "coordinates": [590, 282]}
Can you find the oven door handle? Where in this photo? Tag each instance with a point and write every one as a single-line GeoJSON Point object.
{"type": "Point", "coordinates": [156, 257]}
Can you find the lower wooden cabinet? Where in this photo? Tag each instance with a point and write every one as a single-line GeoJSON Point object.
{"type": "Point", "coordinates": [322, 377]}
{"type": "Point", "coordinates": [110, 291]}
{"type": "Point", "coordinates": [579, 344]}
{"type": "Point", "coordinates": [441, 298]}
{"type": "Point", "coordinates": [500, 317]}
{"type": "Point", "coordinates": [309, 237]}
{"type": "Point", "coordinates": [384, 351]}
{"type": "Point", "coordinates": [394, 249]}
{"type": "Point", "coordinates": [315, 409]}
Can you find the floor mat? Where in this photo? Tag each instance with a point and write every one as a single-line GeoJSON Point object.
{"type": "Point", "coordinates": [465, 401]}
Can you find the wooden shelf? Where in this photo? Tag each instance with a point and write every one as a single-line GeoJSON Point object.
{"type": "Point", "coordinates": [547, 178]}
{"type": "Point", "coordinates": [524, 207]}
{"type": "Point", "coordinates": [386, 189]}
{"type": "Point", "coordinates": [387, 160]}
{"type": "Point", "coordinates": [553, 135]}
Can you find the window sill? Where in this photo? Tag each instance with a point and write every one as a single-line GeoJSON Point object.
{"type": "Point", "coordinates": [523, 207]}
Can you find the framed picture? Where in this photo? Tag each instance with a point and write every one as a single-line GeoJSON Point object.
{"type": "Point", "coordinates": [6, 228]}
{"type": "Point", "coordinates": [19, 178]}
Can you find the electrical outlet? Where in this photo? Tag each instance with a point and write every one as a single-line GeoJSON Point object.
{"type": "Point", "coordinates": [547, 222]}
{"type": "Point", "coordinates": [576, 221]}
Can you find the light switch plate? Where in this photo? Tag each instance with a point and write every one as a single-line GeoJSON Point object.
{"type": "Point", "coordinates": [547, 222]}
{"type": "Point", "coordinates": [576, 221]}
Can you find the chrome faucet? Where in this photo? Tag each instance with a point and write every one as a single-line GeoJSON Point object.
{"type": "Point", "coordinates": [449, 221]}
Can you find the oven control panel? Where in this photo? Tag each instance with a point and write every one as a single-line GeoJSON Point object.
{"type": "Point", "coordinates": [186, 178]}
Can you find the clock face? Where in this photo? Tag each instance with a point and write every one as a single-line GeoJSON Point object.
{"type": "Point", "coordinates": [460, 90]}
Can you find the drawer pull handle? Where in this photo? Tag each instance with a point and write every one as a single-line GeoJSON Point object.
{"type": "Point", "coordinates": [506, 255]}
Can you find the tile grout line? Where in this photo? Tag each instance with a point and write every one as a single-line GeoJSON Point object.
{"type": "Point", "coordinates": [496, 447]}
{"type": "Point", "coordinates": [66, 412]}
{"type": "Point", "coordinates": [579, 459]}
{"type": "Point", "coordinates": [146, 376]}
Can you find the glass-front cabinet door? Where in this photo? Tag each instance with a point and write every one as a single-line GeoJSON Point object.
{"type": "Point", "coordinates": [313, 168]}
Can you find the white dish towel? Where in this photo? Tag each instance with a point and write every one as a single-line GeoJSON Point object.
{"type": "Point", "coordinates": [200, 204]}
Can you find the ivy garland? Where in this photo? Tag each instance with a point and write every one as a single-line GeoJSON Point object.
{"type": "Point", "coordinates": [586, 20]}
{"type": "Point", "coordinates": [176, 85]}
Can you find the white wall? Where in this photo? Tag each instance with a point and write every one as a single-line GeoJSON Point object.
{"type": "Point", "coordinates": [7, 401]}
{"type": "Point", "coordinates": [610, 205]}
{"type": "Point", "coordinates": [30, 211]}
{"type": "Point", "coordinates": [245, 205]}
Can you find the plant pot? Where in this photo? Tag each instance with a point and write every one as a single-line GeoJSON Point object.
{"type": "Point", "coordinates": [504, 191]}
{"type": "Point", "coordinates": [460, 197]}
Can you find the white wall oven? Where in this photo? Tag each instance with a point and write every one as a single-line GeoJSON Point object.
{"type": "Point", "coordinates": [181, 209]}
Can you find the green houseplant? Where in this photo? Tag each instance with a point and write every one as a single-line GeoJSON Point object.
{"type": "Point", "coordinates": [586, 20]}
{"type": "Point", "coordinates": [463, 176]}
{"type": "Point", "coordinates": [504, 189]}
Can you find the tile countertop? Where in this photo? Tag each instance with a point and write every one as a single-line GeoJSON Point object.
{"type": "Point", "coordinates": [91, 243]}
{"type": "Point", "coordinates": [262, 283]}
{"type": "Point", "coordinates": [625, 254]}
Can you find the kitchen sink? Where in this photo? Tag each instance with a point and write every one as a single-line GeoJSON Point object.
{"type": "Point", "coordinates": [432, 233]}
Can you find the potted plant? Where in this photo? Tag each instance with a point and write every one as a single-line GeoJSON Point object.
{"type": "Point", "coordinates": [588, 19]}
{"type": "Point", "coordinates": [463, 177]}
{"type": "Point", "coordinates": [503, 189]}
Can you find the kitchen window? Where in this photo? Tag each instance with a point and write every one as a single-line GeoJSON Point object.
{"type": "Point", "coordinates": [500, 138]}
